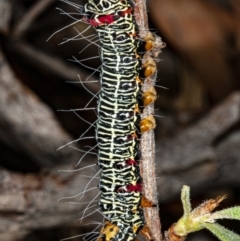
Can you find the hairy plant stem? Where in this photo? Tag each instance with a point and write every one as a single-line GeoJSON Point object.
{"type": "Point", "coordinates": [147, 146]}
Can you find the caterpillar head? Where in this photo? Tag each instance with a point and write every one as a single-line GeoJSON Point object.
{"type": "Point", "coordinates": [99, 7]}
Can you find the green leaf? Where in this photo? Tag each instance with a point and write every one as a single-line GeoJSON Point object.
{"type": "Point", "coordinates": [185, 197]}
{"type": "Point", "coordinates": [229, 213]}
{"type": "Point", "coordinates": [222, 233]}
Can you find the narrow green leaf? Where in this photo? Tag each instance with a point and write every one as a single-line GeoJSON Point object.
{"type": "Point", "coordinates": [222, 233]}
{"type": "Point", "coordinates": [185, 197]}
{"type": "Point", "coordinates": [229, 213]}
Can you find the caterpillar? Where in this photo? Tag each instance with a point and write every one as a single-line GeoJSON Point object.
{"type": "Point", "coordinates": [119, 123]}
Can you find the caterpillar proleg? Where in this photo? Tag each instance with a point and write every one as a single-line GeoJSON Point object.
{"type": "Point", "coordinates": [119, 108]}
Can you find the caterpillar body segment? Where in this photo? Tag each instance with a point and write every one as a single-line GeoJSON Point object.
{"type": "Point", "coordinates": [94, 9]}
{"type": "Point", "coordinates": [122, 163]}
{"type": "Point", "coordinates": [118, 126]}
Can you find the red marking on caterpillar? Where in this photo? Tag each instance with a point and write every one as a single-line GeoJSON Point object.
{"type": "Point", "coordinates": [106, 19]}
{"type": "Point", "coordinates": [131, 188]}
{"type": "Point", "coordinates": [131, 162]}
{"type": "Point", "coordinates": [132, 137]}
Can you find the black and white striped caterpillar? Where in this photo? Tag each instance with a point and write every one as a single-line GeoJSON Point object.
{"type": "Point", "coordinates": [119, 116]}
{"type": "Point", "coordinates": [119, 123]}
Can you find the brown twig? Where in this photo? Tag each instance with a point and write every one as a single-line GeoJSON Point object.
{"type": "Point", "coordinates": [5, 16]}
{"type": "Point", "coordinates": [21, 26]}
{"type": "Point", "coordinates": [147, 139]}
{"type": "Point", "coordinates": [29, 201]}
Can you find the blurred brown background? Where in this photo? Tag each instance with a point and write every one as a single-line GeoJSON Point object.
{"type": "Point", "coordinates": [198, 140]}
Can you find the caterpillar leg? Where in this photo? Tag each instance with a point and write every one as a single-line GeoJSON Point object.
{"type": "Point", "coordinates": [145, 232]}
{"type": "Point", "coordinates": [145, 203]}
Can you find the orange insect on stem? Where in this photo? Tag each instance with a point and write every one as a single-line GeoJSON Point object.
{"type": "Point", "coordinates": [149, 41]}
{"type": "Point", "coordinates": [149, 96]}
{"type": "Point", "coordinates": [147, 124]}
{"type": "Point", "coordinates": [149, 68]}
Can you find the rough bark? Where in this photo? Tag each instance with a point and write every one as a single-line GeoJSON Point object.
{"type": "Point", "coordinates": [30, 201]}
{"type": "Point", "coordinates": [29, 17]}
{"type": "Point", "coordinates": [194, 157]}
{"type": "Point", "coordinates": [28, 125]}
{"type": "Point", "coordinates": [45, 62]}
{"type": "Point", "coordinates": [5, 16]}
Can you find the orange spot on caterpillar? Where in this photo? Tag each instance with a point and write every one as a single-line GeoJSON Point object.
{"type": "Point", "coordinates": [138, 56]}
{"type": "Point", "coordinates": [149, 96]}
{"type": "Point", "coordinates": [137, 110]}
{"type": "Point", "coordinates": [108, 232]}
{"type": "Point", "coordinates": [138, 80]}
{"type": "Point", "coordinates": [147, 124]}
{"type": "Point", "coordinates": [136, 228]}
{"type": "Point", "coordinates": [133, 35]}
{"type": "Point", "coordinates": [128, 11]}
